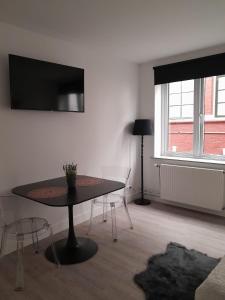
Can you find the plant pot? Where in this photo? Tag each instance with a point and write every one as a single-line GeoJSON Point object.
{"type": "Point", "coordinates": [71, 181]}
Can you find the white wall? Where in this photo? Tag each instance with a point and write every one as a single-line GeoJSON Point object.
{"type": "Point", "coordinates": [35, 144]}
{"type": "Point", "coordinates": [146, 78]}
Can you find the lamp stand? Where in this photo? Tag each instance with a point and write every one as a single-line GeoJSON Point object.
{"type": "Point", "coordinates": [142, 201]}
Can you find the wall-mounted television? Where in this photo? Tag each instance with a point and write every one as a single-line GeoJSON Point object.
{"type": "Point", "coordinates": [41, 85]}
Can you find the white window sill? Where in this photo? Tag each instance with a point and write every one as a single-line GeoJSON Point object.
{"type": "Point", "coordinates": [190, 159]}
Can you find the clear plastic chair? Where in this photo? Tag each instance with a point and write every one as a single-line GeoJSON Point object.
{"type": "Point", "coordinates": [119, 174]}
{"type": "Point", "coordinates": [27, 228]}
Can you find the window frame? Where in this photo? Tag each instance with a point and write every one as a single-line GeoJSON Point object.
{"type": "Point", "coordinates": [198, 125]}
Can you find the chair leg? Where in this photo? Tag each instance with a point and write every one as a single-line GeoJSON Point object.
{"type": "Point", "coordinates": [114, 226]}
{"type": "Point", "coordinates": [37, 243]}
{"type": "Point", "coordinates": [35, 238]}
{"type": "Point", "coordinates": [127, 212]}
{"type": "Point", "coordinates": [19, 270]}
{"type": "Point", "coordinates": [53, 246]}
{"type": "Point", "coordinates": [91, 216]}
{"type": "Point", "coordinates": [3, 240]}
{"type": "Point", "coordinates": [105, 204]}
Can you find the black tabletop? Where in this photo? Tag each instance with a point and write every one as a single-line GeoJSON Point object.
{"type": "Point", "coordinates": [54, 192]}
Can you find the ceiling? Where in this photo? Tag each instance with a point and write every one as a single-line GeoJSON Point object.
{"type": "Point", "coordinates": [136, 30]}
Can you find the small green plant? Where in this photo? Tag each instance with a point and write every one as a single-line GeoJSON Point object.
{"type": "Point", "coordinates": [70, 169]}
{"type": "Point", "coordinates": [71, 173]}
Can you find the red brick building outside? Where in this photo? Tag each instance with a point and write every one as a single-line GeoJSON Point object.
{"type": "Point", "coordinates": [181, 130]}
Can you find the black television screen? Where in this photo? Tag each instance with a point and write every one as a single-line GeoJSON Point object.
{"type": "Point", "coordinates": [40, 85]}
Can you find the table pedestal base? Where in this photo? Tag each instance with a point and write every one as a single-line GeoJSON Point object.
{"type": "Point", "coordinates": [85, 249]}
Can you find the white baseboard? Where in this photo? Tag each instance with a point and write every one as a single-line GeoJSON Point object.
{"type": "Point", "coordinates": [156, 198]}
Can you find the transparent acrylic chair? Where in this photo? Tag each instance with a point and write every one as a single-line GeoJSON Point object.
{"type": "Point", "coordinates": [121, 174]}
{"type": "Point", "coordinates": [19, 230]}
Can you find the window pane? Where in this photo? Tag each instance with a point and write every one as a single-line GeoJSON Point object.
{"type": "Point", "coordinates": [188, 85]}
{"type": "Point", "coordinates": [175, 99]}
{"type": "Point", "coordinates": [174, 112]}
{"type": "Point", "coordinates": [175, 87]}
{"type": "Point", "coordinates": [180, 136]}
{"type": "Point", "coordinates": [221, 96]}
{"type": "Point", "coordinates": [188, 98]}
{"type": "Point", "coordinates": [221, 82]}
{"type": "Point", "coordinates": [209, 96]}
{"type": "Point", "coordinates": [214, 128]}
{"type": "Point", "coordinates": [221, 109]}
{"type": "Point", "coordinates": [180, 127]}
{"type": "Point", "coordinates": [187, 111]}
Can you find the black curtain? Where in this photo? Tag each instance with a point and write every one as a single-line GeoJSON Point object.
{"type": "Point", "coordinates": [191, 69]}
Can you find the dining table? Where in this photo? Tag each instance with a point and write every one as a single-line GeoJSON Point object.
{"type": "Point", "coordinates": [55, 193]}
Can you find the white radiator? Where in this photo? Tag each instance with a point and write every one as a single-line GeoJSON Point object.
{"type": "Point", "coordinates": [194, 186]}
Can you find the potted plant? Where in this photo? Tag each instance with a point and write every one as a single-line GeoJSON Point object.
{"type": "Point", "coordinates": [71, 173]}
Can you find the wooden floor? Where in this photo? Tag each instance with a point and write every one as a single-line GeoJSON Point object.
{"type": "Point", "coordinates": [109, 274]}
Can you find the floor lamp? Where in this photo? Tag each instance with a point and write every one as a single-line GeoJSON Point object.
{"type": "Point", "coordinates": [142, 127]}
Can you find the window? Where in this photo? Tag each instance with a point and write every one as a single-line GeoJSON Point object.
{"type": "Point", "coordinates": [190, 108]}
{"type": "Point", "coordinates": [192, 123]}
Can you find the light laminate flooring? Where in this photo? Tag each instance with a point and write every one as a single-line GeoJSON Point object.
{"type": "Point", "coordinates": [109, 274]}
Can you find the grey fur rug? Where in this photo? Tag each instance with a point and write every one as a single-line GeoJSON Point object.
{"type": "Point", "coordinates": [176, 274]}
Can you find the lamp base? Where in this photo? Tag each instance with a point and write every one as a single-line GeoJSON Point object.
{"type": "Point", "coordinates": [142, 201]}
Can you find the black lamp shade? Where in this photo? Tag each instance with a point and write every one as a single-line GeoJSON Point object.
{"type": "Point", "coordinates": [142, 127]}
